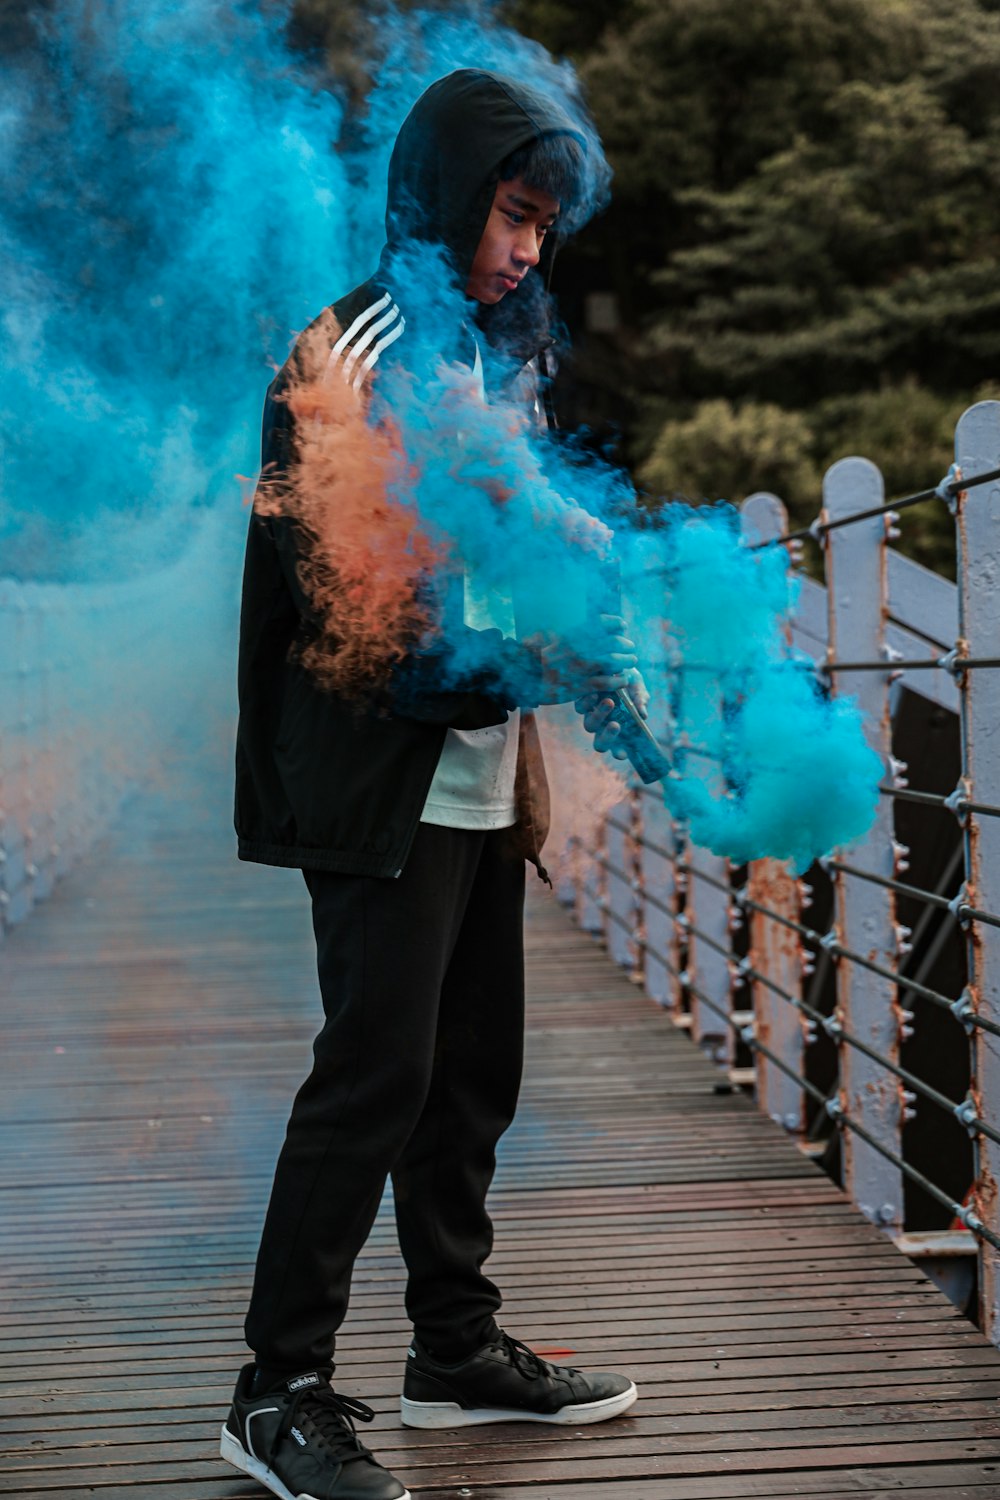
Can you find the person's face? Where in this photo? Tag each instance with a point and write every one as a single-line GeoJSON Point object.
{"type": "Point", "coordinates": [512, 241]}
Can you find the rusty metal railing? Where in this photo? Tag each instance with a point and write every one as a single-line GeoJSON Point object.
{"type": "Point", "coordinates": [841, 1023]}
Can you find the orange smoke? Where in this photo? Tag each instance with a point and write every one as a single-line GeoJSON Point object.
{"type": "Point", "coordinates": [366, 554]}
{"type": "Point", "coordinates": [584, 788]}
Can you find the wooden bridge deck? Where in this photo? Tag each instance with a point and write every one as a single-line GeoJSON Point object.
{"type": "Point", "coordinates": [158, 1016]}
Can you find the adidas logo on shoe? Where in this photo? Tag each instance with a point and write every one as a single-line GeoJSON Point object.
{"type": "Point", "coordinates": [296, 1434]}
{"type": "Point", "coordinates": [301, 1381]}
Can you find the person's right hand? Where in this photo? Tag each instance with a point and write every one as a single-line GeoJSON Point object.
{"type": "Point", "coordinates": [593, 660]}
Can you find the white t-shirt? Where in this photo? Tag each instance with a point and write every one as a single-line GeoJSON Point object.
{"type": "Point", "coordinates": [473, 785]}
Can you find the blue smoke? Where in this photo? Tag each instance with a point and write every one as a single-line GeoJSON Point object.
{"type": "Point", "coordinates": [772, 765]}
{"type": "Point", "coordinates": [173, 209]}
{"type": "Point", "coordinates": [764, 763]}
{"type": "Point", "coordinates": [171, 213]}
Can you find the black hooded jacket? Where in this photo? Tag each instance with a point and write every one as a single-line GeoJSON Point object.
{"type": "Point", "coordinates": [318, 784]}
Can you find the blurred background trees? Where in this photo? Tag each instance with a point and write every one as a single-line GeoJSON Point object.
{"type": "Point", "coordinates": [801, 257]}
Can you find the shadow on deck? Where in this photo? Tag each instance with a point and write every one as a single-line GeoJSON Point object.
{"type": "Point", "coordinates": [159, 1014]}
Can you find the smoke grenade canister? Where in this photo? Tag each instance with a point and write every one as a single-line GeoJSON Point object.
{"type": "Point", "coordinates": [634, 734]}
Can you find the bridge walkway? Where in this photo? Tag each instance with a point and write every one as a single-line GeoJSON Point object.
{"type": "Point", "coordinates": [158, 1015]}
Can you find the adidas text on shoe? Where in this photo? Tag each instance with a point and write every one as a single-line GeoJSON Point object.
{"type": "Point", "coordinates": [299, 1441]}
{"type": "Point", "coordinates": [505, 1382]}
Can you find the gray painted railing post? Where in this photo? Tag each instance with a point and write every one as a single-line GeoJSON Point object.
{"type": "Point", "coordinates": [707, 919]}
{"type": "Point", "coordinates": [591, 886]}
{"type": "Point", "coordinates": [622, 914]}
{"type": "Point", "coordinates": [977, 451]}
{"type": "Point", "coordinates": [658, 873]}
{"type": "Point", "coordinates": [775, 950]}
{"type": "Point", "coordinates": [858, 594]}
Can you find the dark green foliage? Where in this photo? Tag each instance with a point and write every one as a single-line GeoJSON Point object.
{"type": "Point", "coordinates": [806, 217]}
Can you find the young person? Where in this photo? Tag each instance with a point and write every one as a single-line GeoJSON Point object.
{"type": "Point", "coordinates": [412, 825]}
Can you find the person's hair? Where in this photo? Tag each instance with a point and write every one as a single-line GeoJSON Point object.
{"type": "Point", "coordinates": [553, 164]}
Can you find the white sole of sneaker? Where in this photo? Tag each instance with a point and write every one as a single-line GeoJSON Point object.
{"type": "Point", "coordinates": [450, 1414]}
{"type": "Point", "coordinates": [233, 1451]}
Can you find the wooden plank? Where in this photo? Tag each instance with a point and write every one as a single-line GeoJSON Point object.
{"type": "Point", "coordinates": [607, 1470]}
{"type": "Point", "coordinates": [782, 1345]}
{"type": "Point", "coordinates": [967, 1482]}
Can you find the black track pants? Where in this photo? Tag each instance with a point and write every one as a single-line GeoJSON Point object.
{"type": "Point", "coordinates": [416, 1072]}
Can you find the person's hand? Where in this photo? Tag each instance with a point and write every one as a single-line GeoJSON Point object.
{"type": "Point", "coordinates": [596, 659]}
{"type": "Point", "coordinates": [596, 709]}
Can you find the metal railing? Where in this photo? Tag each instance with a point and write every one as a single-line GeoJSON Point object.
{"type": "Point", "coordinates": [818, 1018]}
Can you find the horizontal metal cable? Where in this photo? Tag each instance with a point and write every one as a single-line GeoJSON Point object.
{"type": "Point", "coordinates": [699, 994]}
{"type": "Point", "coordinates": [964, 1113]}
{"type": "Point", "coordinates": [679, 974]}
{"type": "Point", "coordinates": [913, 891]}
{"type": "Point", "coordinates": [878, 666]}
{"type": "Point", "coordinates": [952, 665]}
{"type": "Point", "coordinates": [703, 937]}
{"type": "Point", "coordinates": [985, 808]}
{"type": "Point", "coordinates": [828, 944]}
{"type": "Point", "coordinates": [656, 848]}
{"type": "Point", "coordinates": [661, 906]}
{"type": "Point", "coordinates": [825, 943]}
{"type": "Point", "coordinates": [689, 869]}
{"type": "Point", "coordinates": [837, 1032]}
{"type": "Point", "coordinates": [911, 986]}
{"type": "Point", "coordinates": [623, 922]}
{"type": "Point", "coordinates": [753, 973]}
{"type": "Point", "coordinates": [954, 804]}
{"type": "Point", "coordinates": [956, 487]}
{"type": "Point", "coordinates": [971, 1221]}
{"type": "Point", "coordinates": [960, 909]}
{"type": "Point", "coordinates": [602, 859]}
{"type": "Point", "coordinates": [806, 932]}
{"type": "Point", "coordinates": [972, 914]}
{"type": "Point", "coordinates": [754, 1044]}
{"type": "Point", "coordinates": [904, 794]}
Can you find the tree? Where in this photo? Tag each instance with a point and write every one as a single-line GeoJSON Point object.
{"type": "Point", "coordinates": [806, 217]}
{"type": "Point", "coordinates": [724, 452]}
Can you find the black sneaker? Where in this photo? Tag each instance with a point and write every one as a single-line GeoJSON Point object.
{"type": "Point", "coordinates": [505, 1382]}
{"type": "Point", "coordinates": [299, 1440]}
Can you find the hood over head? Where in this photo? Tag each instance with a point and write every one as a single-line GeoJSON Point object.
{"type": "Point", "coordinates": [443, 173]}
